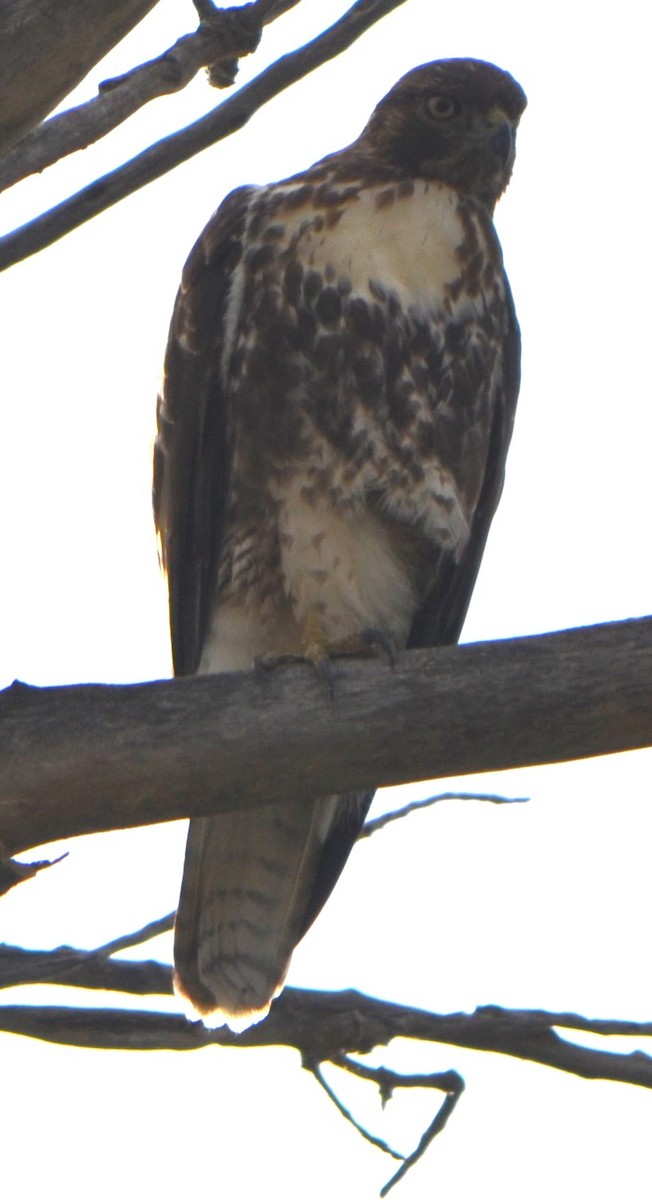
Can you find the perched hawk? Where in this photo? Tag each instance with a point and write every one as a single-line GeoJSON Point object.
{"type": "Point", "coordinates": [340, 384]}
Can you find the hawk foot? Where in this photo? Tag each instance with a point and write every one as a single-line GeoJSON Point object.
{"type": "Point", "coordinates": [365, 644]}
{"type": "Point", "coordinates": [320, 654]}
{"type": "Point", "coordinates": [265, 663]}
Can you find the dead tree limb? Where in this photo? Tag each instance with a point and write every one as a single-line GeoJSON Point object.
{"type": "Point", "coordinates": [81, 759]}
{"type": "Point", "coordinates": [323, 1026]}
{"type": "Point", "coordinates": [231, 115]}
{"type": "Point", "coordinates": [223, 37]}
{"type": "Point", "coordinates": [46, 49]}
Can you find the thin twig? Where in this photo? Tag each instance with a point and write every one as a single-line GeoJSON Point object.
{"type": "Point", "coordinates": [13, 872]}
{"type": "Point", "coordinates": [171, 151]}
{"type": "Point", "coordinates": [440, 1121]}
{"type": "Point", "coordinates": [415, 805]}
{"type": "Point", "coordinates": [348, 1115]}
{"type": "Point", "coordinates": [388, 1081]}
{"type": "Point", "coordinates": [145, 934]}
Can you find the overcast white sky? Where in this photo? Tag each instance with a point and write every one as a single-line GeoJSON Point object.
{"type": "Point", "coordinates": [543, 905]}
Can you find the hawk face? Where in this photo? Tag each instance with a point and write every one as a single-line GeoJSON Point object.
{"type": "Point", "coordinates": [453, 121]}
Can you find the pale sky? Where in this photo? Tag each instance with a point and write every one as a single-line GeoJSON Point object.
{"type": "Point", "coordinates": [544, 905]}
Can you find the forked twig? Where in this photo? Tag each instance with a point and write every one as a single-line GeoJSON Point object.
{"type": "Point", "coordinates": [387, 1082]}
{"type": "Point", "coordinates": [315, 1070]}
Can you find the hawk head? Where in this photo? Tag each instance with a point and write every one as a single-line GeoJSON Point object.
{"type": "Point", "coordinates": [454, 121]}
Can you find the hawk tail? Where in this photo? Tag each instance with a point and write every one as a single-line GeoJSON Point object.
{"type": "Point", "coordinates": [253, 882]}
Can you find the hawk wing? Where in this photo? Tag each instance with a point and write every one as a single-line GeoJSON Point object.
{"type": "Point", "coordinates": [439, 621]}
{"type": "Point", "coordinates": [191, 459]}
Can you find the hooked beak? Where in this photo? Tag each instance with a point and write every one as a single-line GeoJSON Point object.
{"type": "Point", "coordinates": [501, 140]}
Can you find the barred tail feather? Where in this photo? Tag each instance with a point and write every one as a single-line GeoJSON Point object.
{"type": "Point", "coordinates": [253, 882]}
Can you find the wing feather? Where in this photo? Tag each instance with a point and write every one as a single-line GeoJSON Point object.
{"type": "Point", "coordinates": [440, 619]}
{"type": "Point", "coordinates": [191, 451]}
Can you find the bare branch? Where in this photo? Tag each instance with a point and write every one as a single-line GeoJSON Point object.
{"type": "Point", "coordinates": [90, 968]}
{"type": "Point", "coordinates": [325, 1025]}
{"type": "Point", "coordinates": [223, 37]}
{"type": "Point", "coordinates": [13, 872]}
{"type": "Point", "coordinates": [144, 934]}
{"type": "Point", "coordinates": [46, 49]}
{"type": "Point", "coordinates": [80, 968]}
{"type": "Point", "coordinates": [398, 814]}
{"type": "Point", "coordinates": [224, 120]}
{"type": "Point", "coordinates": [436, 1126]}
{"type": "Point", "coordinates": [82, 759]}
{"type": "Point", "coordinates": [316, 1071]}
{"type": "Point", "coordinates": [387, 1082]}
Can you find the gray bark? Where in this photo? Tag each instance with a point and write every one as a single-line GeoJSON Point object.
{"type": "Point", "coordinates": [46, 49]}
{"type": "Point", "coordinates": [80, 759]}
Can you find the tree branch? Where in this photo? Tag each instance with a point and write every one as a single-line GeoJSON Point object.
{"type": "Point", "coordinates": [388, 1082]}
{"type": "Point", "coordinates": [323, 1026]}
{"type": "Point", "coordinates": [91, 968]}
{"type": "Point", "coordinates": [223, 37]}
{"type": "Point", "coordinates": [378, 823]}
{"type": "Point", "coordinates": [12, 872]}
{"type": "Point", "coordinates": [89, 758]}
{"type": "Point", "coordinates": [46, 49]}
{"type": "Point", "coordinates": [168, 153]}
{"type": "Point", "coordinates": [80, 968]}
{"type": "Point", "coordinates": [318, 1075]}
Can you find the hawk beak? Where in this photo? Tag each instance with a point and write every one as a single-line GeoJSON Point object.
{"type": "Point", "coordinates": [501, 140]}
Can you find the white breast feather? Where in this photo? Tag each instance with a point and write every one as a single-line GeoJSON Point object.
{"type": "Point", "coordinates": [409, 245]}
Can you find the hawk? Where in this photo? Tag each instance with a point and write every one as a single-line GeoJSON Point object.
{"type": "Point", "coordinates": [340, 383]}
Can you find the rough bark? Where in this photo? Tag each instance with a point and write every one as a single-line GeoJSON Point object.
{"type": "Point", "coordinates": [47, 48]}
{"type": "Point", "coordinates": [223, 37]}
{"type": "Point", "coordinates": [171, 151]}
{"type": "Point", "coordinates": [88, 758]}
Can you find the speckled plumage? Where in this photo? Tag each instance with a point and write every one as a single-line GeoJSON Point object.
{"type": "Point", "coordinates": [341, 379]}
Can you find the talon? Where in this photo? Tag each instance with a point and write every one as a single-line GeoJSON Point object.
{"type": "Point", "coordinates": [376, 639]}
{"type": "Point", "coordinates": [318, 659]}
{"type": "Point", "coordinates": [324, 668]}
{"type": "Point", "coordinates": [364, 644]}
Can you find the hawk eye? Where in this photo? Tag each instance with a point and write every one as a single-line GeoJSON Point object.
{"type": "Point", "coordinates": [441, 107]}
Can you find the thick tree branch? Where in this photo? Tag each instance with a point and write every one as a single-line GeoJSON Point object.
{"type": "Point", "coordinates": [46, 49]}
{"type": "Point", "coordinates": [226, 119]}
{"type": "Point", "coordinates": [223, 37]}
{"type": "Point", "coordinates": [81, 759]}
